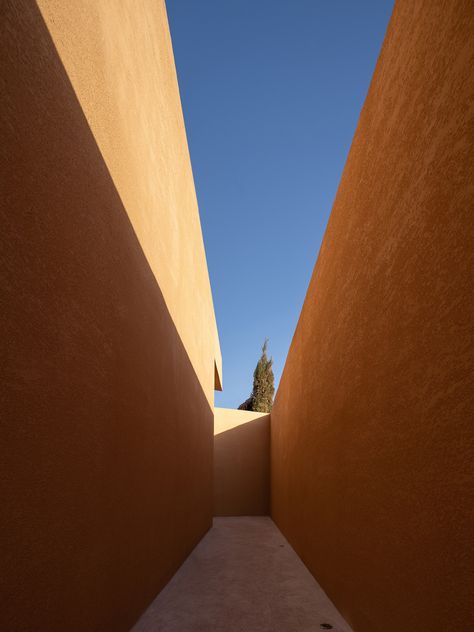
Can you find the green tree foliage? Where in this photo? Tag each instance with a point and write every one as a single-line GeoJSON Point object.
{"type": "Point", "coordinates": [261, 399]}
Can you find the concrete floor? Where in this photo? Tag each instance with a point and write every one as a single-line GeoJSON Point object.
{"type": "Point", "coordinates": [242, 577]}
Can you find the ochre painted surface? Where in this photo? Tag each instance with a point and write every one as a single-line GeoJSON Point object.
{"type": "Point", "coordinates": [241, 463]}
{"type": "Point", "coordinates": [371, 432]}
{"type": "Point", "coordinates": [119, 59]}
{"type": "Point", "coordinates": [107, 431]}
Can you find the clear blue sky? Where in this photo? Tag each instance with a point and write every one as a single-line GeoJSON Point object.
{"type": "Point", "coordinates": [271, 93]}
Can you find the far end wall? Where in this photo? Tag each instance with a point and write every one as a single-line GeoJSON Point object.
{"type": "Point", "coordinates": [241, 463]}
{"type": "Point", "coordinates": [371, 434]}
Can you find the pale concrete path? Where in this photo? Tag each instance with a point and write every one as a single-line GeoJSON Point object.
{"type": "Point", "coordinates": [242, 577]}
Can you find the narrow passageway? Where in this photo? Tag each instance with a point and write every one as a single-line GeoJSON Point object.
{"type": "Point", "coordinates": [242, 577]}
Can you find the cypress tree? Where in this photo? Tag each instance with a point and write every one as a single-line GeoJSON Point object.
{"type": "Point", "coordinates": [261, 399]}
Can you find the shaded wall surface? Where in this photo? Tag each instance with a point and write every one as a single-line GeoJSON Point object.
{"type": "Point", "coordinates": [371, 434]}
{"type": "Point", "coordinates": [106, 451]}
{"type": "Point", "coordinates": [119, 60]}
{"type": "Point", "coordinates": [241, 463]}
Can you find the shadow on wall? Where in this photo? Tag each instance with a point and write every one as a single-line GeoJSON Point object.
{"type": "Point", "coordinates": [106, 471]}
{"type": "Point", "coordinates": [241, 463]}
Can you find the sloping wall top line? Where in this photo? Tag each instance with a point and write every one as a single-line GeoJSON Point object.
{"type": "Point", "coordinates": [133, 107]}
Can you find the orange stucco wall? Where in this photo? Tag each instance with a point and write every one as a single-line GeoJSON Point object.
{"type": "Point", "coordinates": [119, 60]}
{"type": "Point", "coordinates": [241, 463]}
{"type": "Point", "coordinates": [371, 434]}
{"type": "Point", "coordinates": [106, 392]}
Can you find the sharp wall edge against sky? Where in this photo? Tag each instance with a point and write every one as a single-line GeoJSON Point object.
{"type": "Point", "coordinates": [271, 93]}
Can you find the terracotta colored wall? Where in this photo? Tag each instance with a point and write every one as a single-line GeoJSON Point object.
{"type": "Point", "coordinates": [106, 426]}
{"type": "Point", "coordinates": [119, 60]}
{"type": "Point", "coordinates": [372, 442]}
{"type": "Point", "coordinates": [241, 463]}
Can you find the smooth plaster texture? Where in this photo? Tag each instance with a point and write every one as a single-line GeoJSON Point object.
{"type": "Point", "coordinates": [106, 460]}
{"type": "Point", "coordinates": [241, 463]}
{"type": "Point", "coordinates": [242, 577]}
{"type": "Point", "coordinates": [119, 60]}
{"type": "Point", "coordinates": [372, 440]}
